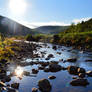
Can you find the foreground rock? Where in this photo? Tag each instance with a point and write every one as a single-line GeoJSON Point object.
{"type": "Point", "coordinates": [11, 90]}
{"type": "Point", "coordinates": [44, 85]}
{"type": "Point", "coordinates": [34, 90]}
{"type": "Point", "coordinates": [46, 70]}
{"type": "Point", "coordinates": [79, 82]}
{"type": "Point", "coordinates": [51, 77]}
{"type": "Point", "coordinates": [73, 69]}
{"type": "Point", "coordinates": [15, 85]}
{"type": "Point", "coordinates": [2, 84]}
{"type": "Point", "coordinates": [54, 67]}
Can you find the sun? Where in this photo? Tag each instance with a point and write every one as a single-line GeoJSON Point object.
{"type": "Point", "coordinates": [17, 6]}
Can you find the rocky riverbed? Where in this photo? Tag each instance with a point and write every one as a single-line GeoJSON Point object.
{"type": "Point", "coordinates": [43, 67]}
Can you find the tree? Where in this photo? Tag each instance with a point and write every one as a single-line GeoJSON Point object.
{"type": "Point", "coordinates": [56, 38]}
{"type": "Point", "coordinates": [29, 37]}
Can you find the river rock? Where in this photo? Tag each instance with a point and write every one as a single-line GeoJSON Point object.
{"type": "Point", "coordinates": [44, 63]}
{"type": "Point", "coordinates": [59, 53]}
{"type": "Point", "coordinates": [89, 73]}
{"type": "Point", "coordinates": [81, 75]}
{"type": "Point", "coordinates": [35, 71]}
{"type": "Point", "coordinates": [26, 73]}
{"type": "Point", "coordinates": [34, 90]}
{"type": "Point", "coordinates": [72, 60]}
{"type": "Point", "coordinates": [46, 70]}
{"type": "Point", "coordinates": [74, 77]}
{"type": "Point", "coordinates": [11, 90]}
{"type": "Point", "coordinates": [50, 56]}
{"type": "Point", "coordinates": [51, 77]}
{"type": "Point", "coordinates": [54, 62]}
{"type": "Point", "coordinates": [72, 70]}
{"type": "Point", "coordinates": [54, 67]}
{"type": "Point", "coordinates": [41, 68]}
{"type": "Point", "coordinates": [81, 70]}
{"type": "Point", "coordinates": [79, 82]}
{"type": "Point", "coordinates": [2, 84]}
{"type": "Point", "coordinates": [54, 47]}
{"type": "Point", "coordinates": [88, 60]}
{"type": "Point", "coordinates": [7, 78]}
{"type": "Point", "coordinates": [15, 85]}
{"type": "Point", "coordinates": [44, 85]}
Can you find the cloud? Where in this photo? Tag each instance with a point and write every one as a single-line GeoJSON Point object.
{"type": "Point", "coordinates": [52, 23]}
{"type": "Point", "coordinates": [38, 24]}
{"type": "Point", "coordinates": [76, 21]}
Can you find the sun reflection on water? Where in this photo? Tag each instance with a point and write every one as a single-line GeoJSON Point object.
{"type": "Point", "coordinates": [19, 71]}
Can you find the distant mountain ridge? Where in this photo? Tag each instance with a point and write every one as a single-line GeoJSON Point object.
{"type": "Point", "coordinates": [51, 29]}
{"type": "Point", "coordinates": [11, 27]}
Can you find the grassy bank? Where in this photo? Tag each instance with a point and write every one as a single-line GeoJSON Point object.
{"type": "Point", "coordinates": [79, 36]}
{"type": "Point", "coordinates": [6, 48]}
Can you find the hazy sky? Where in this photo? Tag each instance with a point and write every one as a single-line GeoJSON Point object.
{"type": "Point", "coordinates": [47, 11]}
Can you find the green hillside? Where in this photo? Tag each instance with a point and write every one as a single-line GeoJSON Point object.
{"type": "Point", "coordinates": [79, 35]}
{"type": "Point", "coordinates": [10, 27]}
{"type": "Point", "coordinates": [51, 29]}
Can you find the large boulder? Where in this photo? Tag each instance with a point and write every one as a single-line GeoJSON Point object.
{"type": "Point", "coordinates": [44, 85]}
{"type": "Point", "coordinates": [54, 67]}
{"type": "Point", "coordinates": [72, 69]}
{"type": "Point", "coordinates": [79, 82]}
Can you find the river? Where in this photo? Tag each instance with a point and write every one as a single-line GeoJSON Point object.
{"type": "Point", "coordinates": [63, 78]}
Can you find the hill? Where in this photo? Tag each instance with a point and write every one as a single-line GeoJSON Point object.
{"type": "Point", "coordinates": [79, 35]}
{"type": "Point", "coordinates": [51, 29]}
{"type": "Point", "coordinates": [10, 27]}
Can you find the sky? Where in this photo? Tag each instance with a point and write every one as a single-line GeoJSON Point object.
{"type": "Point", "coordinates": [46, 12]}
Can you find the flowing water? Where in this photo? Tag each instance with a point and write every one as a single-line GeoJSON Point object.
{"type": "Point", "coordinates": [63, 78]}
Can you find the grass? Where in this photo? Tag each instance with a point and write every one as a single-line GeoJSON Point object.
{"type": "Point", "coordinates": [6, 51]}
{"type": "Point", "coordinates": [77, 39]}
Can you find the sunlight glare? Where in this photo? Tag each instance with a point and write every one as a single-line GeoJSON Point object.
{"type": "Point", "coordinates": [17, 6]}
{"type": "Point", "coordinates": [19, 71]}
